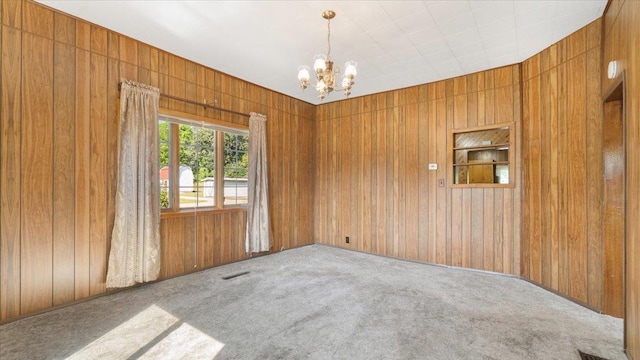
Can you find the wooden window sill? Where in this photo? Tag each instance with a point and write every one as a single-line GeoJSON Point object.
{"type": "Point", "coordinates": [168, 214]}
{"type": "Point", "coordinates": [458, 186]}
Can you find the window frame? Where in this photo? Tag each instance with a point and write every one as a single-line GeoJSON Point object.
{"type": "Point", "coordinates": [451, 163]}
{"type": "Point", "coordinates": [175, 118]}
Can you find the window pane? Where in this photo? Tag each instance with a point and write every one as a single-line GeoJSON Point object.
{"type": "Point", "coordinates": [482, 137]}
{"type": "Point", "coordinates": [165, 192]}
{"type": "Point", "coordinates": [236, 162]}
{"type": "Point", "coordinates": [197, 166]}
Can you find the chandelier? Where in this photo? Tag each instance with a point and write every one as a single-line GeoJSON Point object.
{"type": "Point", "coordinates": [325, 71]}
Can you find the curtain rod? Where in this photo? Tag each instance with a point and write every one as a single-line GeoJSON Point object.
{"type": "Point", "coordinates": [196, 103]}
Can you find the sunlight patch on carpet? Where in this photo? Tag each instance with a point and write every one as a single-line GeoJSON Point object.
{"type": "Point", "coordinates": [186, 342]}
{"type": "Point", "coordinates": [120, 342]}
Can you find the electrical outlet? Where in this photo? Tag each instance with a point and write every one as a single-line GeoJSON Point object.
{"type": "Point", "coordinates": [346, 239]}
{"type": "Point", "coordinates": [441, 183]}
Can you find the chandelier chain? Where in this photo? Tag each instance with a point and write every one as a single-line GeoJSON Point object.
{"type": "Point", "coordinates": [329, 39]}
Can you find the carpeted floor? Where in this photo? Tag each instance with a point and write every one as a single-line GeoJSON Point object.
{"type": "Point", "coordinates": [319, 302]}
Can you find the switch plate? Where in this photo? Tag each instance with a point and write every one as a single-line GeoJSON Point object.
{"type": "Point", "coordinates": [433, 166]}
{"type": "Point", "coordinates": [440, 182]}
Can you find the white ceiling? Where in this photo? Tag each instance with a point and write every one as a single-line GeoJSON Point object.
{"type": "Point", "coordinates": [396, 43]}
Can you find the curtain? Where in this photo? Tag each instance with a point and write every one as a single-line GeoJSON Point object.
{"type": "Point", "coordinates": [258, 230]}
{"type": "Point", "coordinates": [135, 241]}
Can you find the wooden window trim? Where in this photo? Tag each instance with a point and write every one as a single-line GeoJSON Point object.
{"type": "Point", "coordinates": [451, 155]}
{"type": "Point", "coordinates": [174, 210]}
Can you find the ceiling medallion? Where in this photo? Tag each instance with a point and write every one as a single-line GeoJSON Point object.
{"type": "Point", "coordinates": [325, 71]}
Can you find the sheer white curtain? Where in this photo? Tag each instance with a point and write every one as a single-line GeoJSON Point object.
{"type": "Point", "coordinates": [258, 230]}
{"type": "Point", "coordinates": [135, 242]}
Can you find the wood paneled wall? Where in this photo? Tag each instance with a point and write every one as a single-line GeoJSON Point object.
{"type": "Point", "coordinates": [373, 183]}
{"type": "Point", "coordinates": [622, 43]}
{"type": "Point", "coordinates": [59, 103]}
{"type": "Point", "coordinates": [562, 245]}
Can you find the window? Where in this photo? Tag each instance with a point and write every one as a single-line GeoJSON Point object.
{"type": "Point", "coordinates": [190, 152]}
{"type": "Point", "coordinates": [236, 163]}
{"type": "Point", "coordinates": [482, 156]}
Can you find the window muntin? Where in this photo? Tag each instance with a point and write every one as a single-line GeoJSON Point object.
{"type": "Point", "coordinates": [195, 147]}
{"type": "Point", "coordinates": [164, 129]}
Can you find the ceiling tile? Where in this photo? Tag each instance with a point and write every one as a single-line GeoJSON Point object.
{"type": "Point", "coordinates": [492, 12]}
{"type": "Point", "coordinates": [424, 36]}
{"type": "Point", "coordinates": [442, 10]}
{"type": "Point", "coordinates": [468, 49]}
{"type": "Point", "coordinates": [409, 8]}
{"type": "Point", "coordinates": [433, 47]}
{"type": "Point", "coordinates": [463, 38]}
{"type": "Point", "coordinates": [396, 43]}
{"type": "Point", "coordinates": [456, 24]}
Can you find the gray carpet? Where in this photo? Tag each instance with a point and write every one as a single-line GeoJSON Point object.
{"type": "Point", "coordinates": [319, 302]}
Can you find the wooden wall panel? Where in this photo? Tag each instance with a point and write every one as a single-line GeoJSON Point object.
{"type": "Point", "coordinates": [64, 173]}
{"type": "Point", "coordinates": [594, 169]}
{"type": "Point", "coordinates": [98, 174]}
{"type": "Point", "coordinates": [82, 172]}
{"type": "Point", "coordinates": [64, 158]}
{"type": "Point", "coordinates": [36, 222]}
{"type": "Point", "coordinates": [577, 162]}
{"type": "Point", "coordinates": [562, 112]}
{"type": "Point", "coordinates": [59, 96]}
{"type": "Point", "coordinates": [378, 190]}
{"type": "Point", "coordinates": [10, 171]}
{"type": "Point", "coordinates": [621, 39]}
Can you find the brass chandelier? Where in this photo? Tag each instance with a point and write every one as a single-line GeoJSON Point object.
{"type": "Point", "coordinates": [325, 71]}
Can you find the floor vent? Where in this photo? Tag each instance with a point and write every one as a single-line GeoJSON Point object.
{"type": "Point", "coordinates": [228, 277]}
{"type": "Point", "coordinates": [584, 356]}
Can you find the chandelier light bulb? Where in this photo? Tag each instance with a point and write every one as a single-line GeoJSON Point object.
{"type": "Point", "coordinates": [321, 86]}
{"type": "Point", "coordinates": [303, 73]}
{"type": "Point", "coordinates": [350, 68]}
{"type": "Point", "coordinates": [320, 65]}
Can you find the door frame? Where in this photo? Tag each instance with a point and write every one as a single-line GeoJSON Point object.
{"type": "Point", "coordinates": [618, 91]}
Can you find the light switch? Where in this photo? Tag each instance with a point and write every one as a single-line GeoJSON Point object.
{"type": "Point", "coordinates": [440, 182]}
{"type": "Point", "coordinates": [433, 166]}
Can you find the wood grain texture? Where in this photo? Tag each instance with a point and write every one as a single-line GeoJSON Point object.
{"type": "Point", "coordinates": [374, 185]}
{"type": "Point", "coordinates": [37, 19]}
{"type": "Point", "coordinates": [562, 244]}
{"type": "Point", "coordinates": [594, 155]}
{"type": "Point", "coordinates": [613, 217]}
{"type": "Point", "coordinates": [36, 222]}
{"type": "Point", "coordinates": [98, 175]}
{"type": "Point", "coordinates": [621, 40]}
{"type": "Point", "coordinates": [64, 173]}
{"type": "Point", "coordinates": [10, 171]}
{"type": "Point", "coordinates": [82, 155]}
{"type": "Point", "coordinates": [12, 14]}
